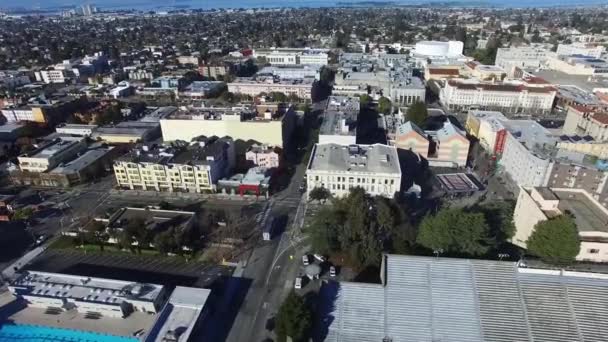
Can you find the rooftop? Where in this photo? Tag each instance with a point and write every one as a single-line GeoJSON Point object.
{"type": "Point", "coordinates": [95, 290]}
{"type": "Point", "coordinates": [180, 314]}
{"type": "Point", "coordinates": [581, 81]}
{"type": "Point", "coordinates": [457, 182]}
{"type": "Point", "coordinates": [443, 299]}
{"type": "Point", "coordinates": [346, 104]}
{"type": "Point", "coordinates": [200, 152]}
{"type": "Point", "coordinates": [530, 133]}
{"type": "Point", "coordinates": [375, 158]}
{"type": "Point", "coordinates": [87, 158]}
{"type": "Point", "coordinates": [158, 113]}
{"type": "Point", "coordinates": [337, 123]}
{"type": "Point", "coordinates": [504, 86]}
{"type": "Point", "coordinates": [237, 113]}
{"type": "Point", "coordinates": [264, 79]}
{"type": "Point", "coordinates": [127, 128]}
{"type": "Point", "coordinates": [588, 214]}
{"type": "Point", "coordinates": [578, 95]}
{"type": "Point", "coordinates": [55, 147]}
{"type": "Point", "coordinates": [155, 219]}
{"type": "Point", "coordinates": [203, 86]}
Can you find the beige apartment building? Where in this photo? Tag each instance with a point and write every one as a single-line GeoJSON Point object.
{"type": "Point", "coordinates": [268, 128]}
{"type": "Point", "coordinates": [196, 168]}
{"type": "Point", "coordinates": [535, 205]}
{"type": "Point", "coordinates": [586, 121]}
{"type": "Point", "coordinates": [463, 95]}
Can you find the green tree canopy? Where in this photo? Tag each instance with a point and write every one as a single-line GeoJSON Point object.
{"type": "Point", "coordinates": [455, 231]}
{"type": "Point", "coordinates": [360, 226]}
{"type": "Point", "coordinates": [555, 241]}
{"type": "Point", "coordinates": [294, 319]}
{"type": "Point", "coordinates": [384, 105]}
{"type": "Point", "coordinates": [364, 100]}
{"type": "Point", "coordinates": [23, 213]}
{"type": "Point", "coordinates": [417, 113]}
{"type": "Point", "coordinates": [319, 194]}
{"type": "Point", "coordinates": [96, 233]}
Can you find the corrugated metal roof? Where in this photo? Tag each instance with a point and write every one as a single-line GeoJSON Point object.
{"type": "Point", "coordinates": [444, 300]}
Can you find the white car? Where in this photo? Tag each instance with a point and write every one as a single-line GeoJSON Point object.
{"type": "Point", "coordinates": [305, 260]}
{"type": "Point", "coordinates": [319, 257]}
{"type": "Point", "coordinates": [298, 283]}
{"type": "Point", "coordinates": [332, 271]}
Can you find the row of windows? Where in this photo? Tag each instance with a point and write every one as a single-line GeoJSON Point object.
{"type": "Point", "coordinates": [359, 180]}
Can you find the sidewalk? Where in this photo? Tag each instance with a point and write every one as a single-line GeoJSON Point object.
{"type": "Point", "coordinates": [185, 195]}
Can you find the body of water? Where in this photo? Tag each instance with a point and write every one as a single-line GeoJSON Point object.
{"type": "Point", "coordinates": [217, 4]}
{"type": "Point", "coordinates": [35, 333]}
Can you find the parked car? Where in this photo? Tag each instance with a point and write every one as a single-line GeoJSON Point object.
{"type": "Point", "coordinates": [305, 260]}
{"type": "Point", "coordinates": [298, 283]}
{"type": "Point", "coordinates": [332, 271]}
{"type": "Point", "coordinates": [319, 257]}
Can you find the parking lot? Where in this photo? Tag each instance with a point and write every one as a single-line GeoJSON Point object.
{"type": "Point", "coordinates": [161, 270]}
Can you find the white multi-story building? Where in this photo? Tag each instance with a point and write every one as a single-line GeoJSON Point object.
{"type": "Point", "coordinates": [399, 86]}
{"type": "Point", "coordinates": [76, 129]}
{"type": "Point", "coordinates": [583, 49]}
{"type": "Point", "coordinates": [586, 121]}
{"type": "Point", "coordinates": [522, 57]}
{"type": "Point", "coordinates": [460, 94]}
{"type": "Point", "coordinates": [526, 152]}
{"type": "Point", "coordinates": [436, 48]}
{"type": "Point", "coordinates": [254, 86]}
{"type": "Point", "coordinates": [262, 155]}
{"type": "Point", "coordinates": [237, 123]}
{"type": "Point", "coordinates": [288, 72]}
{"type": "Point", "coordinates": [108, 297]}
{"type": "Point", "coordinates": [51, 76]}
{"type": "Point", "coordinates": [339, 168]}
{"type": "Point", "coordinates": [196, 168]}
{"type": "Point", "coordinates": [17, 114]}
{"type": "Point", "coordinates": [536, 205]}
{"type": "Point", "coordinates": [292, 56]}
{"type": "Point", "coordinates": [337, 128]}
{"type": "Point", "coordinates": [51, 154]}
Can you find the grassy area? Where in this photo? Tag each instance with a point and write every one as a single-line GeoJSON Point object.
{"type": "Point", "coordinates": [69, 243]}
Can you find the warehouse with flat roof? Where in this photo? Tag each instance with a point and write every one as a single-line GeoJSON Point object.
{"type": "Point", "coordinates": [428, 299]}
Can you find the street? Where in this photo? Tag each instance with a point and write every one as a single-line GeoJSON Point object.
{"type": "Point", "coordinates": [270, 267]}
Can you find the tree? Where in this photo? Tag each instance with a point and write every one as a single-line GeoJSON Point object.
{"type": "Point", "coordinates": [96, 233]}
{"type": "Point", "coordinates": [138, 230]}
{"type": "Point", "coordinates": [384, 105]}
{"type": "Point", "coordinates": [555, 241]}
{"type": "Point", "coordinates": [499, 216]}
{"type": "Point", "coordinates": [455, 231]}
{"type": "Point", "coordinates": [23, 213]}
{"type": "Point", "coordinates": [327, 75]}
{"type": "Point", "coordinates": [164, 242]}
{"type": "Point", "coordinates": [323, 230]}
{"type": "Point", "coordinates": [417, 113]}
{"type": "Point", "coordinates": [294, 319]}
{"type": "Point", "coordinates": [319, 194]}
{"type": "Point", "coordinates": [364, 100]}
{"type": "Point", "coordinates": [125, 240]}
